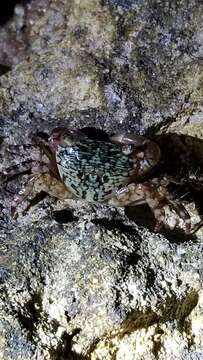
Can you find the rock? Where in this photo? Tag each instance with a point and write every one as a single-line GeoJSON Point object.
{"type": "Point", "coordinates": [15, 41]}
{"type": "Point", "coordinates": [93, 281]}
{"type": "Point", "coordinates": [140, 71]}
{"type": "Point", "coordinates": [93, 285]}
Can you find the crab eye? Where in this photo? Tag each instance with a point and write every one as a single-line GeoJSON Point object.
{"type": "Point", "coordinates": [58, 132]}
{"type": "Point", "coordinates": [56, 136]}
{"type": "Point", "coordinates": [65, 137]}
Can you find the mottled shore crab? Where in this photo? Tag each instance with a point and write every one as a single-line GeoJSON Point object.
{"type": "Point", "coordinates": [114, 171]}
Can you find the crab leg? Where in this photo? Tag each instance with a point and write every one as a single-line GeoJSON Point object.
{"type": "Point", "coordinates": [182, 212]}
{"type": "Point", "coordinates": [22, 196]}
{"type": "Point", "coordinates": [28, 165]}
{"type": "Point", "coordinates": [135, 194]}
{"type": "Point", "coordinates": [43, 182]}
{"type": "Point", "coordinates": [197, 226]}
{"type": "Point", "coordinates": [18, 149]}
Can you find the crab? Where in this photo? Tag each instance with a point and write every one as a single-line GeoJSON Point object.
{"type": "Point", "coordinates": [114, 171]}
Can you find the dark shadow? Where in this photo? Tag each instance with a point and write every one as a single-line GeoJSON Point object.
{"type": "Point", "coordinates": [182, 163]}
{"type": "Point", "coordinates": [172, 309]}
{"type": "Point", "coordinates": [64, 216]}
{"type": "Point", "coordinates": [150, 277]}
{"type": "Point", "coordinates": [182, 159]}
{"type": "Point", "coordinates": [180, 154]}
{"type": "Point", "coordinates": [1, 138]}
{"type": "Point", "coordinates": [95, 134]}
{"type": "Point", "coordinates": [4, 69]}
{"type": "Point", "coordinates": [7, 9]}
{"type": "Point", "coordinates": [44, 136]}
{"type": "Point", "coordinates": [115, 225]}
{"type": "Point", "coordinates": [177, 235]}
{"type": "Point", "coordinates": [133, 257]}
{"type": "Point", "coordinates": [63, 351]}
{"type": "Point", "coordinates": [37, 198]}
{"type": "Point", "coordinates": [75, 356]}
{"type": "Point", "coordinates": [143, 216]}
{"type": "Point", "coordinates": [30, 315]}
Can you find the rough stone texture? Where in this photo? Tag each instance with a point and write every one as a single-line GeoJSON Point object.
{"type": "Point", "coordinates": [101, 287]}
{"type": "Point", "coordinates": [119, 67]}
{"type": "Point", "coordinates": [88, 282]}
{"type": "Point", "coordinates": [15, 41]}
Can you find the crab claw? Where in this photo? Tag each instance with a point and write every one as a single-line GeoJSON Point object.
{"type": "Point", "coordinates": [129, 139]}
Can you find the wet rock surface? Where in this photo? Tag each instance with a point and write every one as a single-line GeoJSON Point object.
{"type": "Point", "coordinates": [81, 281]}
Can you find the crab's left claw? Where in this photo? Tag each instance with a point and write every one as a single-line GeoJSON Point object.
{"type": "Point", "coordinates": [129, 139]}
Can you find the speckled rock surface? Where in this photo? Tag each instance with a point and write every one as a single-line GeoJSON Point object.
{"type": "Point", "coordinates": [124, 67]}
{"type": "Point", "coordinates": [92, 282]}
{"type": "Point", "coordinates": [15, 40]}
{"type": "Point", "coordinates": [100, 287]}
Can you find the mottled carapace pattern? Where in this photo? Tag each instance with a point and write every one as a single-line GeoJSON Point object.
{"type": "Point", "coordinates": [94, 169]}
{"type": "Point", "coordinates": [72, 165]}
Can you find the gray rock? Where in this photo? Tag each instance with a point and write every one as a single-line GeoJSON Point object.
{"type": "Point", "coordinates": [88, 282]}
